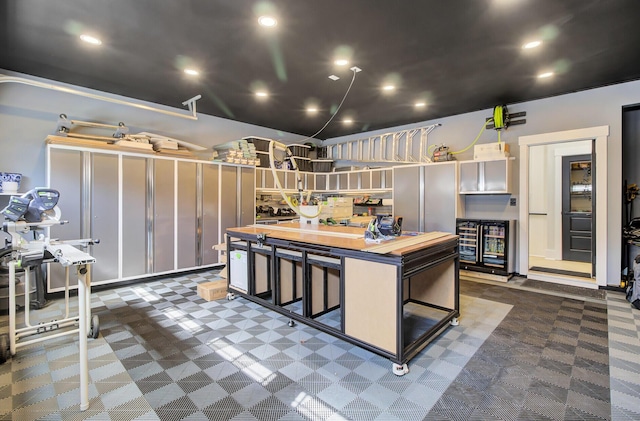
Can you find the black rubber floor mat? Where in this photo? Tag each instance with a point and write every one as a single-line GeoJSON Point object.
{"type": "Point", "coordinates": [561, 272]}
{"type": "Point", "coordinates": [569, 289]}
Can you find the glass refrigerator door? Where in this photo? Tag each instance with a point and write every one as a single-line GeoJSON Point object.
{"type": "Point", "coordinates": [494, 245]}
{"type": "Point", "coordinates": [468, 232]}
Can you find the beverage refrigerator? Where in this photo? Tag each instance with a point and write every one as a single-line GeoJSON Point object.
{"type": "Point", "coordinates": [487, 245]}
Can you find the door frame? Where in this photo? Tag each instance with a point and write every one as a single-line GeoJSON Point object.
{"type": "Point", "coordinates": [601, 136]}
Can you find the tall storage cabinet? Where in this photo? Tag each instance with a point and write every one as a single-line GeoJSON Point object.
{"type": "Point", "coordinates": [187, 216]}
{"type": "Point", "coordinates": [153, 215]}
{"type": "Point", "coordinates": [103, 213]}
{"type": "Point", "coordinates": [67, 173]}
{"type": "Point", "coordinates": [134, 221]}
{"type": "Point", "coordinates": [163, 219]}
{"type": "Point", "coordinates": [210, 213]}
{"type": "Point", "coordinates": [424, 195]}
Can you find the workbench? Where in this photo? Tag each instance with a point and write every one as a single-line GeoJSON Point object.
{"type": "Point", "coordinates": [391, 298]}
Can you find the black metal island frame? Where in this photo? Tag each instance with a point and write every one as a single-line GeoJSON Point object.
{"type": "Point", "coordinates": [391, 298]}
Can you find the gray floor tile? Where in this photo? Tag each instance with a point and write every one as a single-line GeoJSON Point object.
{"type": "Point", "coordinates": [516, 355]}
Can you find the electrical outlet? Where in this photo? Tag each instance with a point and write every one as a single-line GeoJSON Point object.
{"type": "Point", "coordinates": [512, 201]}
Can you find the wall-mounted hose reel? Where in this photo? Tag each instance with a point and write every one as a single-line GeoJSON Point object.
{"type": "Point", "coordinates": [502, 119]}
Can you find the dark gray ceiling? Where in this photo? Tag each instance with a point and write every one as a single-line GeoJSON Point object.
{"type": "Point", "coordinates": [458, 55]}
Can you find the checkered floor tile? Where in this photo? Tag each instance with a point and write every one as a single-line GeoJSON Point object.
{"type": "Point", "coordinates": [166, 354]}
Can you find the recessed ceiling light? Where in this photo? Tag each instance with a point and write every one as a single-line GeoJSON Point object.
{"type": "Point", "coordinates": [191, 72]}
{"type": "Point", "coordinates": [388, 87]}
{"type": "Point", "coordinates": [341, 62]}
{"type": "Point", "coordinates": [262, 94]}
{"type": "Point", "coordinates": [420, 104]}
{"type": "Point", "coordinates": [267, 21]}
{"type": "Point", "coordinates": [545, 75]}
{"type": "Point", "coordinates": [90, 39]}
{"type": "Point", "coordinates": [333, 77]}
{"type": "Point", "coordinates": [347, 121]}
{"type": "Point", "coordinates": [312, 109]}
{"type": "Point", "coordinates": [532, 44]}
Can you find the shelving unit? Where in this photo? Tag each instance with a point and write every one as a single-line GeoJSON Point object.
{"type": "Point", "coordinates": [429, 192]}
{"type": "Point", "coordinates": [375, 183]}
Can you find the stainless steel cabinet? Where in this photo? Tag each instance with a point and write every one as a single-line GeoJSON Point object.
{"type": "Point", "coordinates": [229, 195]}
{"type": "Point", "coordinates": [152, 215]}
{"type": "Point", "coordinates": [441, 204]}
{"type": "Point", "coordinates": [247, 187]}
{"type": "Point", "coordinates": [408, 194]}
{"type": "Point", "coordinates": [134, 220]}
{"type": "Point", "coordinates": [66, 174]}
{"type": "Point", "coordinates": [103, 191]}
{"type": "Point", "coordinates": [237, 198]}
{"type": "Point", "coordinates": [163, 220]}
{"type": "Point", "coordinates": [424, 195]}
{"type": "Point", "coordinates": [486, 177]}
{"type": "Point", "coordinates": [210, 213]}
{"type": "Point", "coordinates": [187, 216]}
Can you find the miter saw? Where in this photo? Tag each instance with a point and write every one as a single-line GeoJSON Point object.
{"type": "Point", "coordinates": [27, 216]}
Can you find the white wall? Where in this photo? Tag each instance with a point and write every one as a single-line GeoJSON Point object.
{"type": "Point", "coordinates": [595, 107]}
{"type": "Point", "coordinates": [538, 208]}
{"type": "Point", "coordinates": [28, 114]}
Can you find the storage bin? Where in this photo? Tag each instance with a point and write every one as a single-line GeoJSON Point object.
{"type": "Point", "coordinates": [264, 159]}
{"type": "Point", "coordinates": [238, 269]}
{"type": "Point", "coordinates": [304, 164]}
{"type": "Point", "coordinates": [261, 143]}
{"type": "Point", "coordinates": [299, 150]}
{"type": "Point", "coordinates": [321, 165]}
{"type": "Point", "coordinates": [321, 152]}
{"type": "Point", "coordinates": [12, 180]}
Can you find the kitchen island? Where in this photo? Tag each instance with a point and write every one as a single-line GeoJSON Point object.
{"type": "Point", "coordinates": [391, 298]}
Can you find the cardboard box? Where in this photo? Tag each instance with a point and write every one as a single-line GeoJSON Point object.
{"type": "Point", "coordinates": [214, 290]}
{"type": "Point", "coordinates": [491, 151]}
{"type": "Point", "coordinates": [336, 208]}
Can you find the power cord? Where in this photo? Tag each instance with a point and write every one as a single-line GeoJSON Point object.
{"type": "Point", "coordinates": [337, 109]}
{"type": "Point", "coordinates": [477, 137]}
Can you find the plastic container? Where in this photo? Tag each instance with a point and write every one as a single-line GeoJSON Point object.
{"type": "Point", "coordinates": [13, 180]}
{"type": "Point", "coordinates": [321, 152]}
{"type": "Point", "coordinates": [264, 159]}
{"type": "Point", "coordinates": [321, 165]}
{"type": "Point", "coordinates": [299, 150]}
{"type": "Point", "coordinates": [261, 143]}
{"type": "Point", "coordinates": [304, 164]}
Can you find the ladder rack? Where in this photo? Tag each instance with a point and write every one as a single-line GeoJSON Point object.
{"type": "Point", "coordinates": [405, 146]}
